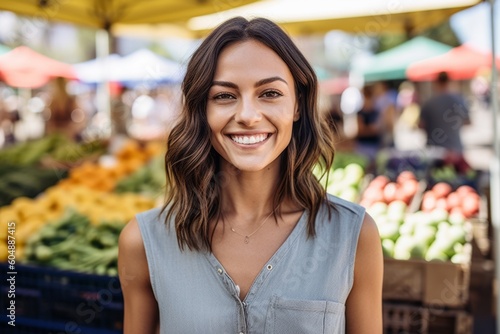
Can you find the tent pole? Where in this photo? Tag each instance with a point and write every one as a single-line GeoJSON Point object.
{"type": "Point", "coordinates": [495, 164]}
{"type": "Point", "coordinates": [103, 95]}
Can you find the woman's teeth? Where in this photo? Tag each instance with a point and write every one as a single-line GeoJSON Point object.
{"type": "Point", "coordinates": [249, 139]}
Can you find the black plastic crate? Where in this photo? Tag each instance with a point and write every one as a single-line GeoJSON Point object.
{"type": "Point", "coordinates": [49, 300]}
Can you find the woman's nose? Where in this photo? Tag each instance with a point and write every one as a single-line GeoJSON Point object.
{"type": "Point", "coordinates": [248, 112]}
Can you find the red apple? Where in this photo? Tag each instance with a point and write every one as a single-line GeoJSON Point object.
{"type": "Point", "coordinates": [442, 189]}
{"type": "Point", "coordinates": [390, 191]}
{"type": "Point", "coordinates": [404, 176]}
{"type": "Point", "coordinates": [380, 181]}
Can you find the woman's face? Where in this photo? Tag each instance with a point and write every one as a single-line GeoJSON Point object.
{"type": "Point", "coordinates": [251, 106]}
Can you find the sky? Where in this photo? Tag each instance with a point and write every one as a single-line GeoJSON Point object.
{"type": "Point", "coordinates": [473, 26]}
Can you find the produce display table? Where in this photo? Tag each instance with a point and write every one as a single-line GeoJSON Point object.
{"type": "Point", "coordinates": [426, 288]}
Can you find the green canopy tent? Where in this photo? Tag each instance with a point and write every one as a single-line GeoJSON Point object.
{"type": "Point", "coordinates": [392, 64]}
{"type": "Point", "coordinates": [4, 49]}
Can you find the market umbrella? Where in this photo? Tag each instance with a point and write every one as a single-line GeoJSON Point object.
{"type": "Point", "coordinates": [105, 13]}
{"type": "Point", "coordinates": [392, 64]}
{"type": "Point", "coordinates": [24, 68]}
{"type": "Point", "coordinates": [460, 63]}
{"type": "Point", "coordinates": [140, 67]}
{"type": "Point", "coordinates": [144, 66]}
{"type": "Point", "coordinates": [366, 17]}
{"type": "Point", "coordinates": [97, 70]}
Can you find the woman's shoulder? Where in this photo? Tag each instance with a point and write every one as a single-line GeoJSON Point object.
{"type": "Point", "coordinates": [344, 207]}
{"type": "Point", "coordinates": [150, 216]}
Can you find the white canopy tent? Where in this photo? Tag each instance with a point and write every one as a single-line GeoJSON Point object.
{"type": "Point", "coordinates": [140, 67]}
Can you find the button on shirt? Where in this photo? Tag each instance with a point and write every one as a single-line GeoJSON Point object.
{"type": "Point", "coordinates": [302, 288]}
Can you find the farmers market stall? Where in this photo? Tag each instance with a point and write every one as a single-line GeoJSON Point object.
{"type": "Point", "coordinates": [74, 198]}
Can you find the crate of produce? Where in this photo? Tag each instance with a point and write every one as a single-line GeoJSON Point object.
{"type": "Point", "coordinates": [428, 283]}
{"type": "Point", "coordinates": [406, 318]}
{"type": "Point", "coordinates": [49, 299]}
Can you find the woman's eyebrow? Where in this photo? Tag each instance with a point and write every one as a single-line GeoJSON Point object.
{"type": "Point", "coordinates": [269, 80]}
{"type": "Point", "coordinates": [261, 82]}
{"type": "Point", "coordinates": [227, 84]}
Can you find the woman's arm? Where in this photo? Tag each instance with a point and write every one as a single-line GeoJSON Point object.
{"type": "Point", "coordinates": [141, 308]}
{"type": "Point", "coordinates": [364, 304]}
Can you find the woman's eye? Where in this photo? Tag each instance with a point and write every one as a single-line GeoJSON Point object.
{"type": "Point", "coordinates": [223, 96]}
{"type": "Point", "coordinates": [272, 94]}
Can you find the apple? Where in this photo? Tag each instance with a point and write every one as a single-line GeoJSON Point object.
{"type": "Point", "coordinates": [441, 189]}
{"type": "Point", "coordinates": [396, 210]}
{"type": "Point", "coordinates": [425, 234]}
{"type": "Point", "coordinates": [406, 229]}
{"type": "Point", "coordinates": [438, 215]}
{"type": "Point", "coordinates": [456, 218]}
{"type": "Point", "coordinates": [349, 194]}
{"type": "Point", "coordinates": [470, 204]}
{"type": "Point", "coordinates": [465, 189]}
{"type": "Point", "coordinates": [337, 174]}
{"type": "Point", "coordinates": [380, 181]}
{"type": "Point", "coordinates": [353, 173]}
{"type": "Point", "coordinates": [435, 254]}
{"type": "Point", "coordinates": [428, 201]}
{"type": "Point", "coordinates": [388, 247]}
{"type": "Point", "coordinates": [418, 249]}
{"type": "Point", "coordinates": [406, 175]}
{"type": "Point", "coordinates": [453, 200]}
{"type": "Point", "coordinates": [459, 258]}
{"type": "Point", "coordinates": [402, 247]}
{"type": "Point", "coordinates": [390, 191]}
{"type": "Point", "coordinates": [377, 208]}
{"type": "Point", "coordinates": [389, 230]}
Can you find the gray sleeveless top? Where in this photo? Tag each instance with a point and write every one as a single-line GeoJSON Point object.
{"type": "Point", "coordinates": [302, 288]}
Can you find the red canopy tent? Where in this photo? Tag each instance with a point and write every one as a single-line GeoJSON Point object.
{"type": "Point", "coordinates": [25, 68]}
{"type": "Point", "coordinates": [460, 63]}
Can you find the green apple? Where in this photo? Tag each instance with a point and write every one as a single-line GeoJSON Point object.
{"type": "Point", "coordinates": [456, 218]}
{"type": "Point", "coordinates": [389, 230]}
{"type": "Point", "coordinates": [418, 250]}
{"type": "Point", "coordinates": [354, 173]}
{"type": "Point", "coordinates": [403, 247]}
{"type": "Point", "coordinates": [406, 229]}
{"type": "Point", "coordinates": [434, 253]}
{"type": "Point", "coordinates": [388, 247]}
{"type": "Point", "coordinates": [377, 208]}
{"type": "Point", "coordinates": [349, 194]}
{"type": "Point", "coordinates": [438, 215]}
{"type": "Point", "coordinates": [459, 258]}
{"type": "Point", "coordinates": [425, 234]}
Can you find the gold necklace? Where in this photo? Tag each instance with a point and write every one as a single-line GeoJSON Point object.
{"type": "Point", "coordinates": [247, 236]}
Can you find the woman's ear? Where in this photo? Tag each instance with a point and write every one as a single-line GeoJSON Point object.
{"type": "Point", "coordinates": [296, 115]}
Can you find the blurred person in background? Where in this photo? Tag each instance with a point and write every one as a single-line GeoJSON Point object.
{"type": "Point", "coordinates": [120, 109]}
{"type": "Point", "coordinates": [443, 115]}
{"type": "Point", "coordinates": [369, 130]}
{"type": "Point", "coordinates": [385, 101]}
{"type": "Point", "coordinates": [9, 115]}
{"type": "Point", "coordinates": [63, 114]}
{"type": "Point", "coordinates": [248, 240]}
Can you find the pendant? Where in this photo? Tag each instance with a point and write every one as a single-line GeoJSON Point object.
{"type": "Point", "coordinates": [247, 239]}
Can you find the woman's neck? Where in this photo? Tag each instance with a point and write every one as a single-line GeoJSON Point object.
{"type": "Point", "coordinates": [248, 194]}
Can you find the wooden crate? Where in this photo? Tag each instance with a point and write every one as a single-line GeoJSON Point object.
{"type": "Point", "coordinates": [428, 283]}
{"type": "Point", "coordinates": [405, 318]}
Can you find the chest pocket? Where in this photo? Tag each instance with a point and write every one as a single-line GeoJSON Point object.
{"type": "Point", "coordinates": [292, 316]}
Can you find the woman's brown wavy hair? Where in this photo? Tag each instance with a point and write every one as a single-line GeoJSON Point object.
{"type": "Point", "coordinates": [194, 181]}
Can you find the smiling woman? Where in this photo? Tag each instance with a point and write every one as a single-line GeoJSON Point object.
{"type": "Point", "coordinates": [248, 240]}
